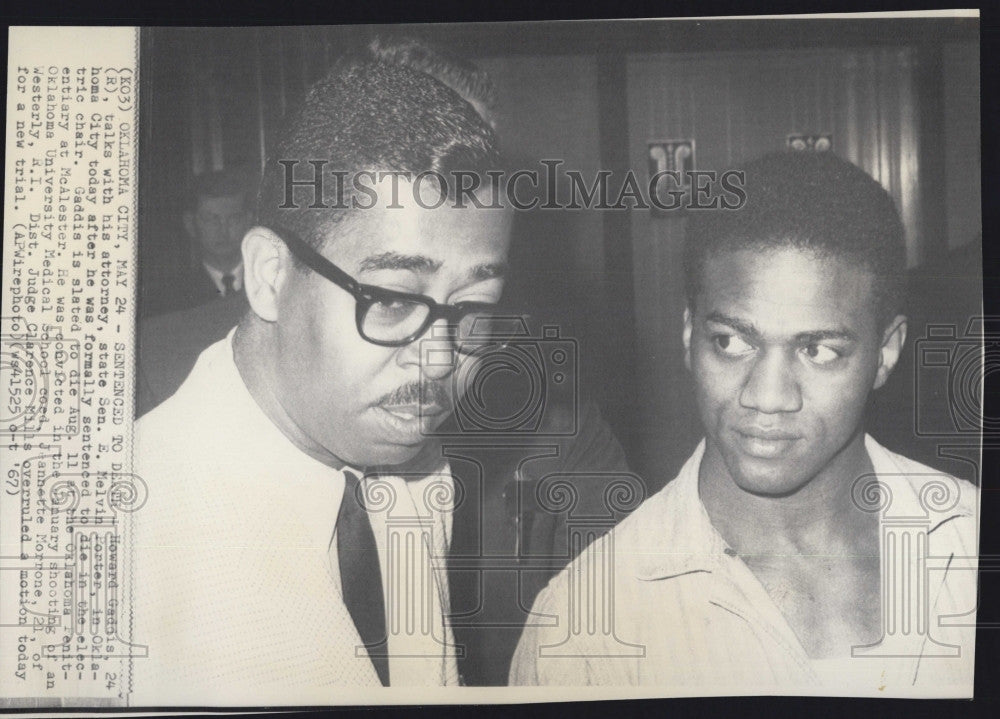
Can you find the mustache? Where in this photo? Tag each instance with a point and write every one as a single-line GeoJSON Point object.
{"type": "Point", "coordinates": [427, 393]}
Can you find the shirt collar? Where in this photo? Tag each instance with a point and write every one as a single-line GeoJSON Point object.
{"type": "Point", "coordinates": [313, 490]}
{"type": "Point", "coordinates": [684, 539]}
{"type": "Point", "coordinates": [217, 275]}
{"type": "Point", "coordinates": [917, 492]}
{"type": "Point", "coordinates": [262, 453]}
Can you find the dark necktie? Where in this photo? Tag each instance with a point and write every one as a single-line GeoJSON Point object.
{"type": "Point", "coordinates": [228, 284]}
{"type": "Point", "coordinates": [361, 575]}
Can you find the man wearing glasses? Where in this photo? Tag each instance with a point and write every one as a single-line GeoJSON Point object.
{"type": "Point", "coordinates": [295, 507]}
{"type": "Point", "coordinates": [503, 543]}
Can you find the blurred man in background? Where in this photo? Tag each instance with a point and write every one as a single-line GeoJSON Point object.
{"type": "Point", "coordinates": [216, 220]}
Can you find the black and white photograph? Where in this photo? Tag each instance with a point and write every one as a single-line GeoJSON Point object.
{"type": "Point", "coordinates": [493, 362]}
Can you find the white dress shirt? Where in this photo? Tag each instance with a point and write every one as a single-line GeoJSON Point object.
{"type": "Point", "coordinates": [216, 275]}
{"type": "Point", "coordinates": [662, 601]}
{"type": "Point", "coordinates": [232, 585]}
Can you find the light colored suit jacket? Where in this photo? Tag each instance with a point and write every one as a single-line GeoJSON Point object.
{"type": "Point", "coordinates": [230, 580]}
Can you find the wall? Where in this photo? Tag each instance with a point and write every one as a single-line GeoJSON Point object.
{"type": "Point", "coordinates": [548, 109]}
{"type": "Point", "coordinates": [962, 142]}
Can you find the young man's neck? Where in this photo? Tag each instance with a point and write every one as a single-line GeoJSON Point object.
{"type": "Point", "coordinates": [820, 516]}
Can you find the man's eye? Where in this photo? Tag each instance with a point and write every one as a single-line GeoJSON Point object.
{"type": "Point", "coordinates": [820, 354]}
{"type": "Point", "coordinates": [392, 309]}
{"type": "Point", "coordinates": [732, 345]}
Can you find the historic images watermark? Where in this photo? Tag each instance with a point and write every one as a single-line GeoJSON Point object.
{"type": "Point", "coordinates": [416, 561]}
{"type": "Point", "coordinates": [316, 185]}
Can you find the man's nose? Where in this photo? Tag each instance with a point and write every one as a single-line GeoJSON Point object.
{"type": "Point", "coordinates": [434, 352]}
{"type": "Point", "coordinates": [771, 385]}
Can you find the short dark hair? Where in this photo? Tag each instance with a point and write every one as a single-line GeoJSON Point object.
{"type": "Point", "coordinates": [368, 115]}
{"type": "Point", "coordinates": [808, 200]}
{"type": "Point", "coordinates": [461, 75]}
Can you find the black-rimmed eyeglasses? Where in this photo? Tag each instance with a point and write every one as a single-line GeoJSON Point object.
{"type": "Point", "coordinates": [393, 319]}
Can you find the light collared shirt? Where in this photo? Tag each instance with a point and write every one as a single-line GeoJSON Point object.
{"type": "Point", "coordinates": [217, 277]}
{"type": "Point", "coordinates": [663, 601]}
{"type": "Point", "coordinates": [233, 587]}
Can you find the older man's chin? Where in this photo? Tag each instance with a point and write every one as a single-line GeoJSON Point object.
{"type": "Point", "coordinates": [420, 459]}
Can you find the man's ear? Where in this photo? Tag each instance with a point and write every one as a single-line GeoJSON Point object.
{"type": "Point", "coordinates": [266, 264]}
{"type": "Point", "coordinates": [687, 337]}
{"type": "Point", "coordinates": [893, 339]}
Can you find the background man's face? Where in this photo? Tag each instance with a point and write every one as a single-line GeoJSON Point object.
{"type": "Point", "coordinates": [218, 226]}
{"type": "Point", "coordinates": [358, 400]}
{"type": "Point", "coordinates": [784, 347]}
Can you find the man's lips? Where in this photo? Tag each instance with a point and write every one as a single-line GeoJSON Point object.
{"type": "Point", "coordinates": [766, 442]}
{"type": "Point", "coordinates": [767, 433]}
{"type": "Point", "coordinates": [409, 424]}
{"type": "Point", "coordinates": [411, 412]}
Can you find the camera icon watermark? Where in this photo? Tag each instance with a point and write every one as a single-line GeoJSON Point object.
{"type": "Point", "coordinates": [950, 371]}
{"type": "Point", "coordinates": [505, 381]}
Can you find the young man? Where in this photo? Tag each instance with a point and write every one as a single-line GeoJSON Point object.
{"type": "Point", "coordinates": [762, 566]}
